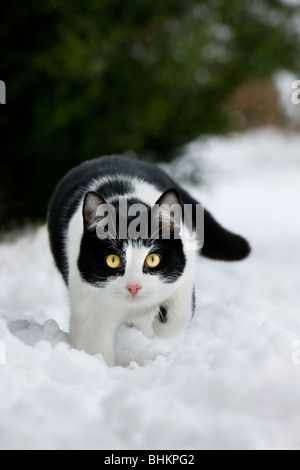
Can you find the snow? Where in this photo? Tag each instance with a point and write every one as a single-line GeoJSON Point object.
{"type": "Point", "coordinates": [231, 380]}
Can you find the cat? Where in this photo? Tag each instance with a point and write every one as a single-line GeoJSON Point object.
{"type": "Point", "coordinates": [144, 281]}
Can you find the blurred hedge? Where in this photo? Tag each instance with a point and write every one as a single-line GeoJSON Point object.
{"type": "Point", "coordinates": [105, 76]}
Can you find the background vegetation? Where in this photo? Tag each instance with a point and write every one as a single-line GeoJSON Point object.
{"type": "Point", "coordinates": [107, 76]}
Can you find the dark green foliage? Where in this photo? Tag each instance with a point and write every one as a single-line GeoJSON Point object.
{"type": "Point", "coordinates": [107, 76]}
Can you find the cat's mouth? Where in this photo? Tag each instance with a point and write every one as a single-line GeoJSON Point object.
{"type": "Point", "coordinates": [141, 297]}
{"type": "Point", "coordinates": [138, 297]}
{"type": "Point", "coordinates": [134, 298]}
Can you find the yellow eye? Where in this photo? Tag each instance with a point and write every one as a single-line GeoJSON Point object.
{"type": "Point", "coordinates": [153, 260]}
{"type": "Point", "coordinates": [113, 261]}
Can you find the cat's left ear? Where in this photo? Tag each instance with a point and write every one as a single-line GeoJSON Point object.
{"type": "Point", "coordinates": [169, 198]}
{"type": "Point", "coordinates": [90, 210]}
{"type": "Point", "coordinates": [167, 209]}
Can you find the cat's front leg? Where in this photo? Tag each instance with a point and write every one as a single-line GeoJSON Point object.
{"type": "Point", "coordinates": [176, 312]}
{"type": "Point", "coordinates": [93, 326]}
{"type": "Point", "coordinates": [93, 337]}
{"type": "Point", "coordinates": [143, 321]}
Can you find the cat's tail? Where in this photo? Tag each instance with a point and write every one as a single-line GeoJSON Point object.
{"type": "Point", "coordinates": [221, 244]}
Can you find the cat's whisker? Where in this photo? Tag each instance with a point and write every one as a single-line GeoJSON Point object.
{"type": "Point", "coordinates": [158, 230]}
{"type": "Point", "coordinates": [111, 237]}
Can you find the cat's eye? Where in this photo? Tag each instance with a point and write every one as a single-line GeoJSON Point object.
{"type": "Point", "coordinates": [113, 261]}
{"type": "Point", "coordinates": [152, 260]}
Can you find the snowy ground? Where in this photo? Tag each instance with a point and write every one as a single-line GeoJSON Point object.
{"type": "Point", "coordinates": [230, 380]}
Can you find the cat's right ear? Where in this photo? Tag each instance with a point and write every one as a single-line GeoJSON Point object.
{"type": "Point", "coordinates": [90, 210]}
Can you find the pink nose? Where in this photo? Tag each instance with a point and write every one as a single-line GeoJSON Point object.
{"type": "Point", "coordinates": [133, 288]}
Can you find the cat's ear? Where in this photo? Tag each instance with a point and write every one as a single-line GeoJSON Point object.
{"type": "Point", "coordinates": [167, 210]}
{"type": "Point", "coordinates": [90, 210]}
{"type": "Point", "coordinates": [169, 198]}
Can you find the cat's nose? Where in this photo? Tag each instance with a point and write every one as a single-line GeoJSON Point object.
{"type": "Point", "coordinates": [133, 288]}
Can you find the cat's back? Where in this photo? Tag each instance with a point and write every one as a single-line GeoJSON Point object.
{"type": "Point", "coordinates": [117, 174]}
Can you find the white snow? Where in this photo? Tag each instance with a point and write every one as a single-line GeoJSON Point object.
{"type": "Point", "coordinates": [229, 381]}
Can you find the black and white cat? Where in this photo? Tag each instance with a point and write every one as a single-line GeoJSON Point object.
{"type": "Point", "coordinates": [145, 281]}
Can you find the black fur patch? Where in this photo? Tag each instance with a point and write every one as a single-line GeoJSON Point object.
{"type": "Point", "coordinates": [172, 262]}
{"type": "Point", "coordinates": [114, 188]}
{"type": "Point", "coordinates": [193, 302]}
{"type": "Point", "coordinates": [163, 314]}
{"type": "Point", "coordinates": [92, 259]}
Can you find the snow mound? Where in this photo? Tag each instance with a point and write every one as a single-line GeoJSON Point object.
{"type": "Point", "coordinates": [229, 381]}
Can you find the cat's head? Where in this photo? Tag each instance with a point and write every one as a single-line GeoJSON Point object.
{"type": "Point", "coordinates": [141, 266]}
